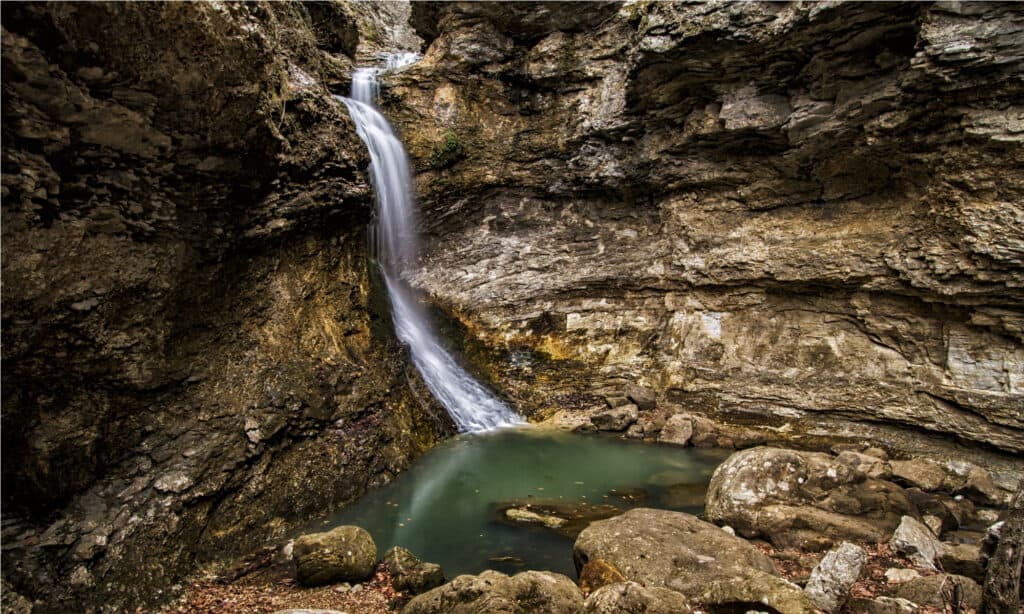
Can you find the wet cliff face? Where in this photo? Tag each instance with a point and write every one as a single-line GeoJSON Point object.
{"type": "Point", "coordinates": [192, 357]}
{"type": "Point", "coordinates": [802, 214]}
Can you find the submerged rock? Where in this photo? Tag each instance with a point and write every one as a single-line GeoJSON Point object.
{"type": "Point", "coordinates": [566, 518]}
{"type": "Point", "coordinates": [409, 574]}
{"type": "Point", "coordinates": [345, 554]}
{"type": "Point", "coordinates": [671, 549]}
{"type": "Point", "coordinates": [494, 592]}
{"type": "Point", "coordinates": [629, 597]}
{"type": "Point", "coordinates": [802, 499]}
{"type": "Point", "coordinates": [520, 514]}
{"type": "Point", "coordinates": [831, 580]}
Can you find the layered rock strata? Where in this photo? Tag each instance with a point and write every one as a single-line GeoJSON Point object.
{"type": "Point", "coordinates": [804, 215]}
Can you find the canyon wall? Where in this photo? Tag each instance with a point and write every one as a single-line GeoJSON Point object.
{"type": "Point", "coordinates": [803, 216]}
{"type": "Point", "coordinates": [195, 357]}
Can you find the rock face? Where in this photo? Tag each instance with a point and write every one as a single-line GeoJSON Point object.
{"type": "Point", "coordinates": [190, 339]}
{"type": "Point", "coordinates": [491, 591]}
{"type": "Point", "coordinates": [804, 214]}
{"type": "Point", "coordinates": [659, 548]}
{"type": "Point", "coordinates": [802, 499]}
{"type": "Point", "coordinates": [343, 554]}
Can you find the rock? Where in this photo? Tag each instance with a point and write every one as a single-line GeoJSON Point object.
{"type": "Point", "coordinates": [917, 542]}
{"type": "Point", "coordinates": [962, 560]}
{"type": "Point", "coordinates": [344, 554]}
{"type": "Point", "coordinates": [883, 605]}
{"type": "Point", "coordinates": [754, 590]}
{"type": "Point", "coordinates": [524, 515]}
{"type": "Point", "coordinates": [307, 611]}
{"type": "Point", "coordinates": [802, 499]}
{"type": "Point", "coordinates": [671, 549]}
{"type": "Point", "coordinates": [871, 466]}
{"type": "Point", "coordinates": [922, 473]}
{"type": "Point", "coordinates": [896, 575]}
{"type": "Point", "coordinates": [12, 602]}
{"type": "Point", "coordinates": [409, 574]}
{"type": "Point", "coordinates": [615, 419]}
{"type": "Point", "coordinates": [616, 401]}
{"type": "Point", "coordinates": [677, 430]}
{"type": "Point", "coordinates": [942, 590]}
{"type": "Point", "coordinates": [644, 398]}
{"type": "Point", "coordinates": [627, 597]}
{"type": "Point", "coordinates": [937, 506]}
{"type": "Point", "coordinates": [979, 487]}
{"type": "Point", "coordinates": [834, 576]}
{"type": "Point", "coordinates": [635, 431]}
{"type": "Point", "coordinates": [878, 453]}
{"type": "Point", "coordinates": [598, 573]}
{"type": "Point", "coordinates": [933, 523]}
{"type": "Point", "coordinates": [491, 591]}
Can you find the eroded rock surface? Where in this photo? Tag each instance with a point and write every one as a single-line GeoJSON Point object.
{"type": "Point", "coordinates": [803, 215]}
{"type": "Point", "coordinates": [803, 499]}
{"type": "Point", "coordinates": [190, 344]}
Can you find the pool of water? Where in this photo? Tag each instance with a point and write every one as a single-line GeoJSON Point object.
{"type": "Point", "coordinates": [449, 508]}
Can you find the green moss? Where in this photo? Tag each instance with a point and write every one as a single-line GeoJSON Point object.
{"type": "Point", "coordinates": [446, 153]}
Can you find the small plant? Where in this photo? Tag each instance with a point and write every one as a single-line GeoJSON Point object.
{"type": "Point", "coordinates": [447, 152]}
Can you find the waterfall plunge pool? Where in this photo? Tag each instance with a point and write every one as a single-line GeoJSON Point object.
{"type": "Point", "coordinates": [450, 506]}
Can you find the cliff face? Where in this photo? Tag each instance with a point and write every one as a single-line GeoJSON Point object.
{"type": "Point", "coordinates": [806, 216]}
{"type": "Point", "coordinates": [192, 358]}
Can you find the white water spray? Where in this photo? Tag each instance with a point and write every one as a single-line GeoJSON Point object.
{"type": "Point", "coordinates": [471, 406]}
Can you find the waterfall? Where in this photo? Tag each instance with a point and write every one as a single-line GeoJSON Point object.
{"type": "Point", "coordinates": [395, 245]}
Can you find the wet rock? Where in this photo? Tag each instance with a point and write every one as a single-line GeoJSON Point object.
{"type": "Point", "coordinates": [566, 518]}
{"type": "Point", "coordinates": [677, 430]}
{"type": "Point", "coordinates": [615, 419]}
{"type": "Point", "coordinates": [917, 542]}
{"type": "Point", "coordinates": [831, 580]}
{"type": "Point", "coordinates": [671, 549]}
{"type": "Point", "coordinates": [491, 591]}
{"type": "Point", "coordinates": [520, 514]}
{"type": "Point", "coordinates": [687, 495]}
{"type": "Point", "coordinates": [962, 560]}
{"type": "Point", "coordinates": [753, 590]}
{"type": "Point", "coordinates": [344, 554]}
{"type": "Point", "coordinates": [644, 398]}
{"type": "Point", "coordinates": [409, 574]}
{"type": "Point", "coordinates": [598, 573]}
{"type": "Point", "coordinates": [802, 499]}
{"type": "Point", "coordinates": [632, 597]}
{"type": "Point", "coordinates": [942, 590]}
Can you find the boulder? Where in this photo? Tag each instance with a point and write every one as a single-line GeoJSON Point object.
{"type": "Point", "coordinates": [899, 575]}
{"type": "Point", "coordinates": [627, 597]}
{"type": "Point", "coordinates": [917, 542]}
{"type": "Point", "coordinates": [883, 605]}
{"type": "Point", "coordinates": [598, 573]}
{"type": "Point", "coordinates": [941, 590]}
{"type": "Point", "coordinates": [962, 560]}
{"type": "Point", "coordinates": [616, 401]}
{"type": "Point", "coordinates": [834, 576]}
{"type": "Point", "coordinates": [344, 554]}
{"type": "Point", "coordinates": [871, 466]}
{"type": "Point", "coordinates": [677, 430]}
{"type": "Point", "coordinates": [956, 477]}
{"type": "Point", "coordinates": [615, 418]}
{"type": "Point", "coordinates": [494, 592]}
{"type": "Point", "coordinates": [409, 574]}
{"type": "Point", "coordinates": [802, 499]}
{"type": "Point", "coordinates": [753, 592]}
{"type": "Point", "coordinates": [939, 506]}
{"type": "Point", "coordinates": [922, 473]}
{"type": "Point", "coordinates": [671, 549]}
{"type": "Point", "coordinates": [644, 397]}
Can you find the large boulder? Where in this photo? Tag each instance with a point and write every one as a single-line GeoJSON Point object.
{"type": "Point", "coordinates": [671, 549]}
{"type": "Point", "coordinates": [344, 554]}
{"type": "Point", "coordinates": [755, 591]}
{"type": "Point", "coordinates": [615, 418]}
{"type": "Point", "coordinates": [834, 576]}
{"type": "Point", "coordinates": [629, 597]}
{"type": "Point", "coordinates": [942, 590]}
{"type": "Point", "coordinates": [493, 592]}
{"type": "Point", "coordinates": [678, 430]}
{"type": "Point", "coordinates": [803, 499]}
{"type": "Point", "coordinates": [409, 574]}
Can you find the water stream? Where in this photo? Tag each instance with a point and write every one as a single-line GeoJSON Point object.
{"type": "Point", "coordinates": [396, 248]}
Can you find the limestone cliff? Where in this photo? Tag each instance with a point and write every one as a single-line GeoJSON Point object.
{"type": "Point", "coordinates": [192, 357]}
{"type": "Point", "coordinates": [806, 216]}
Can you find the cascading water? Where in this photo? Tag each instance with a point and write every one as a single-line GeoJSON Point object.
{"type": "Point", "coordinates": [471, 406]}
